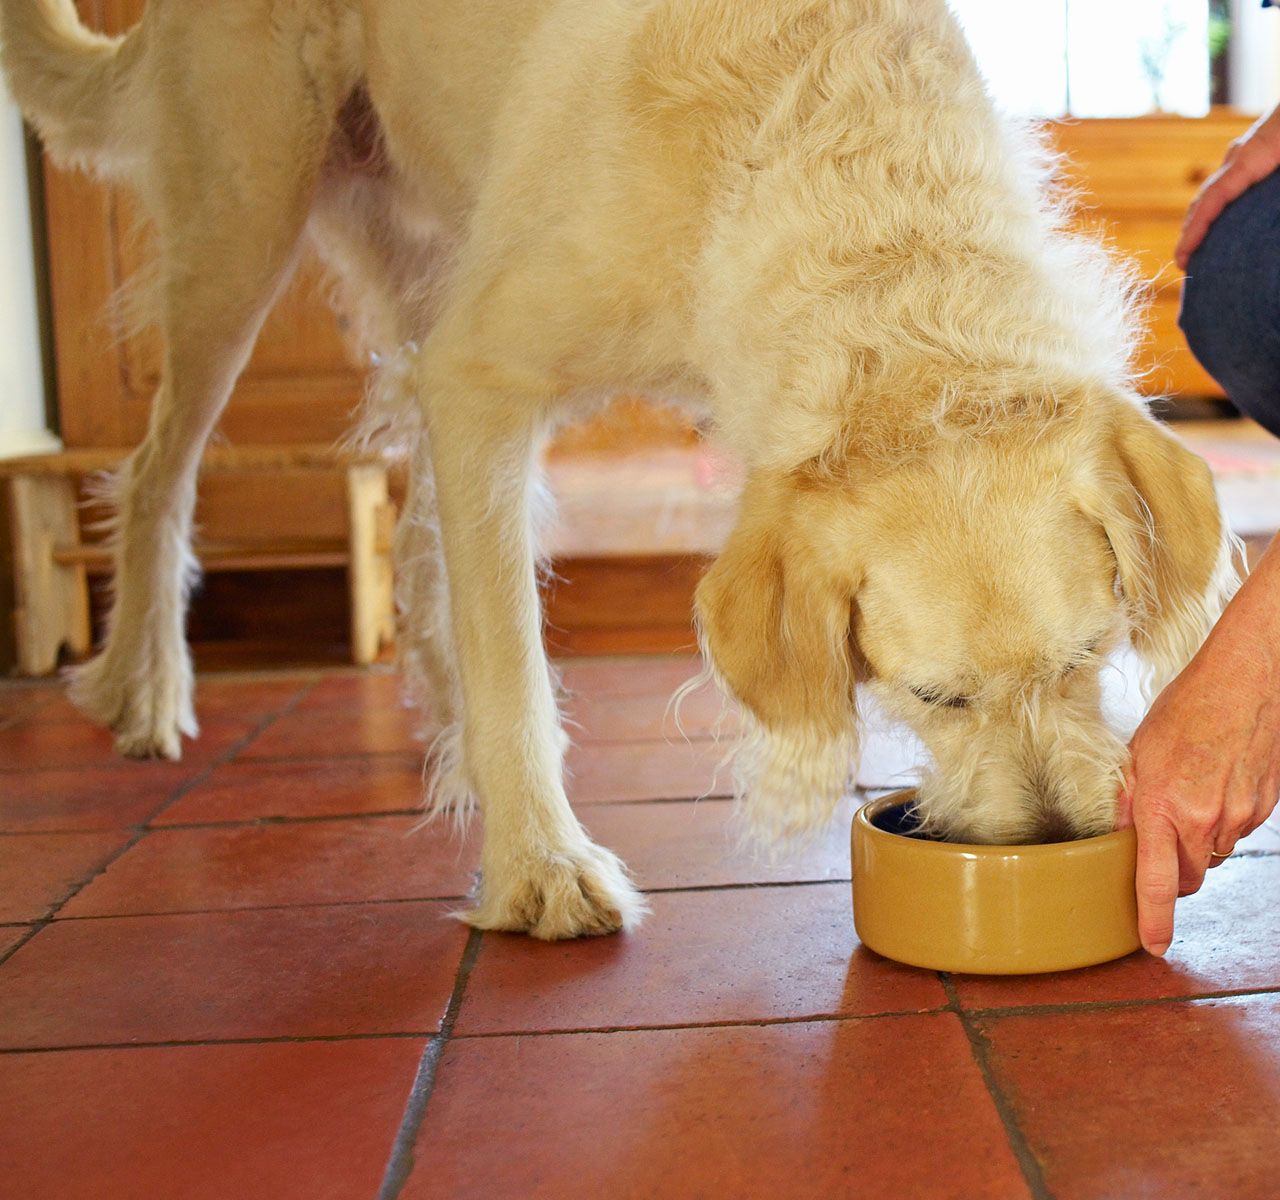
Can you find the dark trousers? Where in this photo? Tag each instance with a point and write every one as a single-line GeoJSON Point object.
{"type": "Point", "coordinates": [1231, 302]}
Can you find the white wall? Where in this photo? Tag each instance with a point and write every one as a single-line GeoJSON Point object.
{"type": "Point", "coordinates": [22, 417]}
{"type": "Point", "coordinates": [1255, 56]}
{"type": "Point", "coordinates": [1044, 58]}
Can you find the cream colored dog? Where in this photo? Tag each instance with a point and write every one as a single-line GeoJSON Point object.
{"type": "Point", "coordinates": [804, 215]}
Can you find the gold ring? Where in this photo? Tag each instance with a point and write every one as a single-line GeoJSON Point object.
{"type": "Point", "coordinates": [1215, 854]}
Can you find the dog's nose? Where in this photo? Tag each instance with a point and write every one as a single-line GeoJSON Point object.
{"type": "Point", "coordinates": [1046, 802]}
{"type": "Point", "coordinates": [1053, 826]}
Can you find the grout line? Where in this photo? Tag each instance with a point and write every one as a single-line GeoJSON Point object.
{"type": "Point", "coordinates": [431, 899]}
{"type": "Point", "coordinates": [140, 831]}
{"type": "Point", "coordinates": [173, 1043]}
{"type": "Point", "coordinates": [317, 818]}
{"type": "Point", "coordinates": [400, 1163]}
{"type": "Point", "coordinates": [753, 1023]}
{"type": "Point", "coordinates": [264, 723]}
{"type": "Point", "coordinates": [730, 1023]}
{"type": "Point", "coordinates": [980, 1046]}
{"type": "Point", "coordinates": [32, 930]}
{"type": "Point", "coordinates": [245, 908]}
{"type": "Point", "coordinates": [238, 823]}
{"type": "Point", "coordinates": [350, 756]}
{"type": "Point", "coordinates": [607, 1030]}
{"type": "Point", "coordinates": [1086, 1006]}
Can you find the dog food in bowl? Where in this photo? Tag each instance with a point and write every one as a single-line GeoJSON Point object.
{"type": "Point", "coordinates": [990, 910]}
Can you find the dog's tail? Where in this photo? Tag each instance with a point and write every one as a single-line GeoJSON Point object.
{"type": "Point", "coordinates": [72, 84]}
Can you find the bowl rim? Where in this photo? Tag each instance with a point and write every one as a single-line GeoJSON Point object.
{"type": "Point", "coordinates": [862, 820]}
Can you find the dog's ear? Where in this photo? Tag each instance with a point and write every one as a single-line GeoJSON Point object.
{"type": "Point", "coordinates": [776, 624]}
{"type": "Point", "coordinates": [1173, 551]}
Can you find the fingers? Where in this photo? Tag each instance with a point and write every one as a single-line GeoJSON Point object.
{"type": "Point", "coordinates": [1157, 883]}
{"type": "Point", "coordinates": [1242, 813]}
{"type": "Point", "coordinates": [1228, 183]}
{"type": "Point", "coordinates": [1193, 862]}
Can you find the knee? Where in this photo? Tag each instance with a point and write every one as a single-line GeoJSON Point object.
{"type": "Point", "coordinates": [1217, 312]}
{"type": "Point", "coordinates": [1230, 310]}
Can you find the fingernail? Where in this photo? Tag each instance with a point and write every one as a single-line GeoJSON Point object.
{"type": "Point", "coordinates": [1158, 949]}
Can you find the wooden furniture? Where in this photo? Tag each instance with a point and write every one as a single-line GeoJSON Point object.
{"type": "Point", "coordinates": [1135, 179]}
{"type": "Point", "coordinates": [349, 523]}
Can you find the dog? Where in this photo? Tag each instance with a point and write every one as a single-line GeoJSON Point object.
{"type": "Point", "coordinates": [803, 217]}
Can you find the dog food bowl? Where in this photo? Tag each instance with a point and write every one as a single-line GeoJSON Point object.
{"type": "Point", "coordinates": [990, 910]}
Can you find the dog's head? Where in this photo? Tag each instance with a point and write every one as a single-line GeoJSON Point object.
{"type": "Point", "coordinates": [976, 589]}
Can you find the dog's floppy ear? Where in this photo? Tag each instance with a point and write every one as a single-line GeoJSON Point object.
{"type": "Point", "coordinates": [1173, 550]}
{"type": "Point", "coordinates": [776, 625]}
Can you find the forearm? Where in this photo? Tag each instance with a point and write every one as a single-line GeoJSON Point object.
{"type": "Point", "coordinates": [1239, 663]}
{"type": "Point", "coordinates": [1252, 619]}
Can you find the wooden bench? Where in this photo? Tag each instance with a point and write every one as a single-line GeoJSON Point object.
{"type": "Point", "coordinates": [343, 517]}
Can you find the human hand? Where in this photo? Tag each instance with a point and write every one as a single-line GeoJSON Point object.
{"type": "Point", "coordinates": [1250, 159]}
{"type": "Point", "coordinates": [1204, 771]}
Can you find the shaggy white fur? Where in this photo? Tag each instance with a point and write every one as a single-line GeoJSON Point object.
{"type": "Point", "coordinates": [806, 217]}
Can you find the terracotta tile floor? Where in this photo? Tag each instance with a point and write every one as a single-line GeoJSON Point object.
{"type": "Point", "coordinates": [236, 977]}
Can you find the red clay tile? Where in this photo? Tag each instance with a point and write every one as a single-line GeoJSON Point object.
{"type": "Point", "coordinates": [291, 972]}
{"type": "Point", "coordinates": [79, 743]}
{"type": "Point", "coordinates": [248, 791]}
{"type": "Point", "coordinates": [10, 936]}
{"type": "Point", "coordinates": [1171, 1101]}
{"type": "Point", "coordinates": [267, 1122]}
{"type": "Point", "coordinates": [18, 701]}
{"type": "Point", "coordinates": [39, 870]}
{"type": "Point", "coordinates": [89, 798]}
{"type": "Point", "coordinates": [248, 698]}
{"type": "Point", "coordinates": [883, 1109]}
{"type": "Point", "coordinates": [687, 844]}
{"type": "Point", "coordinates": [608, 772]}
{"type": "Point", "coordinates": [611, 702]}
{"type": "Point", "coordinates": [1227, 940]}
{"type": "Point", "coordinates": [321, 862]}
{"type": "Point", "coordinates": [243, 699]}
{"type": "Point", "coordinates": [702, 714]}
{"type": "Point", "coordinates": [355, 691]}
{"type": "Point", "coordinates": [657, 675]}
{"type": "Point", "coordinates": [747, 954]}
{"type": "Point", "coordinates": [336, 732]}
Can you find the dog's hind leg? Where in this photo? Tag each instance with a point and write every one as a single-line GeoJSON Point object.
{"type": "Point", "coordinates": [390, 280]}
{"type": "Point", "coordinates": [229, 186]}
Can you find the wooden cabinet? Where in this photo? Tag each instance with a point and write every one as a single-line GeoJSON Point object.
{"type": "Point", "coordinates": [1135, 179]}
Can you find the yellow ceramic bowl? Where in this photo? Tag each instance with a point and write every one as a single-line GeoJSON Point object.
{"type": "Point", "coordinates": [991, 910]}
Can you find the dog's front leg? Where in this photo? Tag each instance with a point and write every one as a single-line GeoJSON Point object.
{"type": "Point", "coordinates": [540, 871]}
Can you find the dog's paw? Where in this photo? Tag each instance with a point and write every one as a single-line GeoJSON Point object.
{"type": "Point", "coordinates": [575, 892]}
{"type": "Point", "coordinates": [148, 713]}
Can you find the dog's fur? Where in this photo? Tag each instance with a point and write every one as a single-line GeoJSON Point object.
{"type": "Point", "coordinates": [804, 215]}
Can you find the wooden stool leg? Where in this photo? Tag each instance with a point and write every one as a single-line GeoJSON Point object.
{"type": "Point", "coordinates": [371, 517]}
{"type": "Point", "coordinates": [52, 607]}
